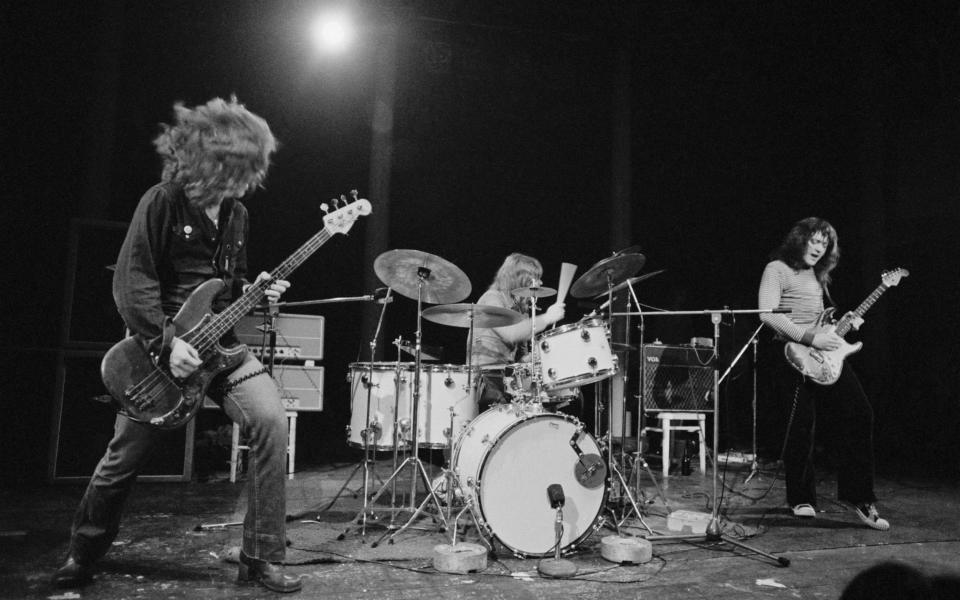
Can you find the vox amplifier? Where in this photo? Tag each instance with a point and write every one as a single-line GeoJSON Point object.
{"type": "Point", "coordinates": [677, 378]}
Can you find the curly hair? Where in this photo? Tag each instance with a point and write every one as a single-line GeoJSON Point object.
{"type": "Point", "coordinates": [794, 245]}
{"type": "Point", "coordinates": [217, 147]}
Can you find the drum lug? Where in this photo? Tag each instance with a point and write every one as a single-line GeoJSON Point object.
{"type": "Point", "coordinates": [545, 346]}
{"type": "Point", "coordinates": [592, 363]}
{"type": "Point", "coordinates": [585, 334]}
{"type": "Point", "coordinates": [552, 373]}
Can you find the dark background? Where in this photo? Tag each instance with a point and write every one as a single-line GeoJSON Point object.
{"type": "Point", "coordinates": [742, 117]}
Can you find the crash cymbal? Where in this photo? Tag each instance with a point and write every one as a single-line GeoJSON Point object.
{"type": "Point", "coordinates": [614, 269]}
{"type": "Point", "coordinates": [630, 281]}
{"type": "Point", "coordinates": [402, 270]}
{"type": "Point", "coordinates": [534, 292]}
{"type": "Point", "coordinates": [485, 316]}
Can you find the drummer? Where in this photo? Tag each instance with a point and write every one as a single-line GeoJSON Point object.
{"type": "Point", "coordinates": [505, 345]}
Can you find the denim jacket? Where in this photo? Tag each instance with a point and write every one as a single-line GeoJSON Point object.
{"type": "Point", "coordinates": [170, 248]}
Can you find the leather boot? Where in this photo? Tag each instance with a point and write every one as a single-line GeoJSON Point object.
{"type": "Point", "coordinates": [269, 575]}
{"type": "Point", "coordinates": [73, 574]}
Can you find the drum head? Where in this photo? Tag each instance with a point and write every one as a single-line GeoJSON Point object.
{"type": "Point", "coordinates": [527, 458]}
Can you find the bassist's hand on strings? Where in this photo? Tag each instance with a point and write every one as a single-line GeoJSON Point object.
{"type": "Point", "coordinates": [827, 341]}
{"type": "Point", "coordinates": [184, 359]}
{"type": "Point", "coordinates": [276, 289]}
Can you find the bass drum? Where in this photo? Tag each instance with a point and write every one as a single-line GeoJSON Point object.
{"type": "Point", "coordinates": [504, 461]}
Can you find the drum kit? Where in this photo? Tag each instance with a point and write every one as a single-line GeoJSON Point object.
{"type": "Point", "coordinates": [502, 460]}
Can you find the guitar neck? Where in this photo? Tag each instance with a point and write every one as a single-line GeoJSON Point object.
{"type": "Point", "coordinates": [224, 321]}
{"type": "Point", "coordinates": [845, 323]}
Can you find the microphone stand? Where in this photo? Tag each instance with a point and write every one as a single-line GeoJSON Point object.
{"type": "Point", "coordinates": [713, 532]}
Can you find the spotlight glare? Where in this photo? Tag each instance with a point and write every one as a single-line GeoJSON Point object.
{"type": "Point", "coordinates": [332, 32]}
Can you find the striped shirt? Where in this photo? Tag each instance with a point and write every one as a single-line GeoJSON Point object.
{"type": "Point", "coordinates": [798, 291]}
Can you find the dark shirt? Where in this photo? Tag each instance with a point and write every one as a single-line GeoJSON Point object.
{"type": "Point", "coordinates": [171, 247]}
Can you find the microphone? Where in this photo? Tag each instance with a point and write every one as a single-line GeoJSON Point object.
{"type": "Point", "coordinates": [555, 494]}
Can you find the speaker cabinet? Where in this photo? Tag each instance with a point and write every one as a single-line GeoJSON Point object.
{"type": "Point", "coordinates": [82, 427]}
{"type": "Point", "coordinates": [299, 337]}
{"type": "Point", "coordinates": [301, 388]}
{"type": "Point", "coordinates": [677, 378]}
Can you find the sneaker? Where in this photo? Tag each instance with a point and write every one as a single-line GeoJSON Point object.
{"type": "Point", "coordinates": [870, 517]}
{"type": "Point", "coordinates": [804, 510]}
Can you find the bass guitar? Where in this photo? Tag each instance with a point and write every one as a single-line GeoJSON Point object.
{"type": "Point", "coordinates": [147, 392]}
{"type": "Point", "coordinates": [824, 366]}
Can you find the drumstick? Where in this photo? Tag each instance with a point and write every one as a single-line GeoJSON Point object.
{"type": "Point", "coordinates": [567, 271]}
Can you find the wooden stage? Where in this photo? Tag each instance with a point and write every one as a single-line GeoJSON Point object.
{"type": "Point", "coordinates": [167, 549]}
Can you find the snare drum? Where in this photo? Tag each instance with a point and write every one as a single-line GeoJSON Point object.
{"type": "Point", "coordinates": [575, 354]}
{"type": "Point", "coordinates": [507, 457]}
{"type": "Point", "coordinates": [443, 394]}
{"type": "Point", "coordinates": [389, 397]}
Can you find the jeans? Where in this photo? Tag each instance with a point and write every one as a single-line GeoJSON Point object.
{"type": "Point", "coordinates": [844, 406]}
{"type": "Point", "coordinates": [256, 407]}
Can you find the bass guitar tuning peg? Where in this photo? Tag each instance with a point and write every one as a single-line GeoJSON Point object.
{"type": "Point", "coordinates": [324, 207]}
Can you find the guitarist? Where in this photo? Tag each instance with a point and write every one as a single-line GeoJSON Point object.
{"type": "Point", "coordinates": [797, 278]}
{"type": "Point", "coordinates": [187, 229]}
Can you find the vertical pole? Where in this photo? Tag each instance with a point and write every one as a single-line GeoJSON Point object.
{"type": "Point", "coordinates": [381, 158]}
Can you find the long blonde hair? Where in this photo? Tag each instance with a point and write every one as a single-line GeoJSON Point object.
{"type": "Point", "coordinates": [518, 270]}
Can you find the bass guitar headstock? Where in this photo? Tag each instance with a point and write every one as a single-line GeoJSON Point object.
{"type": "Point", "coordinates": [343, 217]}
{"type": "Point", "coordinates": [892, 278]}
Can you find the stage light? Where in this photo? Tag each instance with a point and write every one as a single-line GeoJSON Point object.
{"type": "Point", "coordinates": [332, 32]}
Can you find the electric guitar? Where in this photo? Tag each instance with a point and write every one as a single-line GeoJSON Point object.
{"type": "Point", "coordinates": [824, 366]}
{"type": "Point", "coordinates": [148, 392]}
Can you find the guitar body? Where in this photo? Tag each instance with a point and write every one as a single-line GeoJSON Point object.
{"type": "Point", "coordinates": [148, 392]}
{"type": "Point", "coordinates": [820, 366]}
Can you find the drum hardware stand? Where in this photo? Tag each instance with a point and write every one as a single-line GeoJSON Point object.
{"type": "Point", "coordinates": [368, 464]}
{"type": "Point", "coordinates": [614, 466]}
{"type": "Point", "coordinates": [713, 532]}
{"type": "Point", "coordinates": [414, 459]}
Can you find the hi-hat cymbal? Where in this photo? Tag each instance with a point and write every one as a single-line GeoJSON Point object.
{"type": "Point", "coordinates": [483, 315]}
{"type": "Point", "coordinates": [630, 281]}
{"type": "Point", "coordinates": [533, 292]}
{"type": "Point", "coordinates": [609, 271]}
{"type": "Point", "coordinates": [403, 270]}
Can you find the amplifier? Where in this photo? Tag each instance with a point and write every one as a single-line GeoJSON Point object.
{"type": "Point", "coordinates": [301, 388]}
{"type": "Point", "coordinates": [298, 336]}
{"type": "Point", "coordinates": [677, 378]}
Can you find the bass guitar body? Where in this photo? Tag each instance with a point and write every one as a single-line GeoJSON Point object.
{"type": "Point", "coordinates": [147, 391]}
{"type": "Point", "coordinates": [820, 366]}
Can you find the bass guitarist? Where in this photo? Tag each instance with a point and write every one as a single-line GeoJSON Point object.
{"type": "Point", "coordinates": [190, 228]}
{"type": "Point", "coordinates": [796, 279]}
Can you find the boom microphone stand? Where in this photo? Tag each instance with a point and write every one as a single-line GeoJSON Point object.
{"type": "Point", "coordinates": [713, 532]}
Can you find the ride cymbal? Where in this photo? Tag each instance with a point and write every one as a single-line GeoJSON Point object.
{"type": "Point", "coordinates": [417, 274]}
{"type": "Point", "coordinates": [608, 272]}
{"type": "Point", "coordinates": [482, 315]}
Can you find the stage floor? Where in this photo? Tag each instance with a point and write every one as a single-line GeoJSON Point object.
{"type": "Point", "coordinates": [171, 544]}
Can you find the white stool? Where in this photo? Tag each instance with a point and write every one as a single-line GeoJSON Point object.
{"type": "Point", "coordinates": [681, 421]}
{"type": "Point", "coordinates": [236, 446]}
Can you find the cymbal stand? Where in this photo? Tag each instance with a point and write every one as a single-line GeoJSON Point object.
{"type": "Point", "coordinates": [640, 408]}
{"type": "Point", "coordinates": [414, 459]}
{"type": "Point", "coordinates": [713, 532]}
{"type": "Point", "coordinates": [368, 464]}
{"type": "Point", "coordinates": [614, 467]}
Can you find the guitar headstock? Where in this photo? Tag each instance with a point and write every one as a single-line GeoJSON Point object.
{"type": "Point", "coordinates": [343, 217]}
{"type": "Point", "coordinates": [892, 278]}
